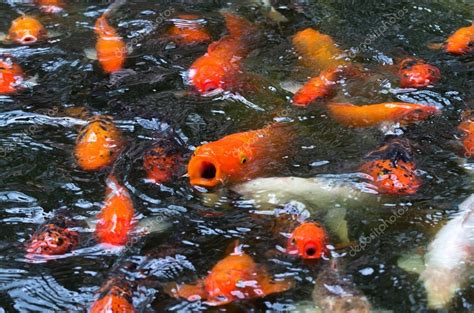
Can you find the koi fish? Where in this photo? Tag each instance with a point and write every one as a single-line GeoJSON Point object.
{"type": "Point", "coordinates": [373, 114]}
{"type": "Point", "coordinates": [116, 216]}
{"type": "Point", "coordinates": [450, 257]}
{"type": "Point", "coordinates": [236, 277]}
{"type": "Point", "coordinates": [51, 6]}
{"type": "Point", "coordinates": [161, 165]}
{"type": "Point", "coordinates": [318, 51]}
{"type": "Point", "coordinates": [115, 297]}
{"type": "Point", "coordinates": [11, 76]}
{"type": "Point", "coordinates": [237, 157]}
{"type": "Point", "coordinates": [415, 73]}
{"type": "Point", "coordinates": [308, 241]}
{"type": "Point", "coordinates": [52, 239]}
{"type": "Point", "coordinates": [26, 30]}
{"type": "Point", "coordinates": [111, 49]}
{"type": "Point", "coordinates": [467, 126]}
{"type": "Point", "coordinates": [188, 29]}
{"type": "Point", "coordinates": [215, 68]}
{"type": "Point", "coordinates": [337, 293]}
{"type": "Point", "coordinates": [461, 42]}
{"type": "Point", "coordinates": [392, 168]}
{"type": "Point", "coordinates": [98, 144]}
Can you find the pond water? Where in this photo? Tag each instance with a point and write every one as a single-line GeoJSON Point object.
{"type": "Point", "coordinates": [150, 101]}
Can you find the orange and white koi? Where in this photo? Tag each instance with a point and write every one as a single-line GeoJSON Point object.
{"type": "Point", "coordinates": [416, 73]}
{"type": "Point", "coordinates": [11, 76]}
{"type": "Point", "coordinates": [111, 49]}
{"type": "Point", "coordinates": [188, 29]}
{"type": "Point", "coordinates": [26, 30]}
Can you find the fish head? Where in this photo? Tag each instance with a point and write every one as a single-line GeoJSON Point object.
{"type": "Point", "coordinates": [26, 30]}
{"type": "Point", "coordinates": [461, 42]}
{"type": "Point", "coordinates": [52, 240]}
{"type": "Point", "coordinates": [308, 240]}
{"type": "Point", "coordinates": [207, 74]}
{"type": "Point", "coordinates": [416, 73]}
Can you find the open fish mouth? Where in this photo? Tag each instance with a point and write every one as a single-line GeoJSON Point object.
{"type": "Point", "coordinates": [28, 39]}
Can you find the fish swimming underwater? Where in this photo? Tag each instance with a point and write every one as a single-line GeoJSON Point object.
{"type": "Point", "coordinates": [392, 168]}
{"type": "Point", "coordinates": [115, 220]}
{"type": "Point", "coordinates": [337, 293]}
{"type": "Point", "coordinates": [110, 47]}
{"type": "Point", "coordinates": [374, 114]}
{"type": "Point", "coordinates": [11, 76]}
{"type": "Point", "coordinates": [26, 30]}
{"type": "Point", "coordinates": [216, 68]}
{"type": "Point", "coordinates": [308, 241]}
{"type": "Point", "coordinates": [52, 239]}
{"type": "Point", "coordinates": [236, 277]}
{"type": "Point", "coordinates": [161, 165]}
{"type": "Point", "coordinates": [51, 6]}
{"type": "Point", "coordinates": [238, 157]}
{"type": "Point", "coordinates": [98, 143]}
{"type": "Point", "coordinates": [317, 87]}
{"type": "Point", "coordinates": [416, 73]}
{"type": "Point", "coordinates": [461, 41]}
{"type": "Point", "coordinates": [114, 297]}
{"type": "Point", "coordinates": [188, 29]}
{"type": "Point", "coordinates": [467, 127]}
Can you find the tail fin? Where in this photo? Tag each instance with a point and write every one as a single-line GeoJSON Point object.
{"type": "Point", "coordinates": [114, 7]}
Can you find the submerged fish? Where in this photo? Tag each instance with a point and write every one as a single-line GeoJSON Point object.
{"type": "Point", "coordinates": [374, 114]}
{"type": "Point", "coordinates": [188, 29]}
{"type": "Point", "coordinates": [450, 257]}
{"type": "Point", "coordinates": [317, 87]}
{"type": "Point", "coordinates": [461, 42]}
{"type": "Point", "coordinates": [467, 127]}
{"type": "Point", "coordinates": [51, 6]}
{"type": "Point", "coordinates": [110, 47]}
{"type": "Point", "coordinates": [238, 157]}
{"type": "Point", "coordinates": [162, 165]}
{"type": "Point", "coordinates": [416, 73]}
{"type": "Point", "coordinates": [115, 220]}
{"type": "Point", "coordinates": [11, 76]}
{"type": "Point", "coordinates": [52, 239]}
{"type": "Point", "coordinates": [392, 168]}
{"type": "Point", "coordinates": [26, 30]}
{"type": "Point", "coordinates": [236, 277]}
{"type": "Point", "coordinates": [337, 293]}
{"type": "Point", "coordinates": [115, 297]}
{"type": "Point", "coordinates": [308, 241]}
{"type": "Point", "coordinates": [98, 143]}
{"type": "Point", "coordinates": [216, 68]}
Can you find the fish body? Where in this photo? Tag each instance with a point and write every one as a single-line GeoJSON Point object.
{"type": "Point", "coordinates": [461, 41]}
{"type": "Point", "coordinates": [115, 296]}
{"type": "Point", "coordinates": [450, 258]}
{"type": "Point", "coordinates": [415, 73]}
{"type": "Point", "coordinates": [111, 49]}
{"type": "Point", "coordinates": [215, 69]}
{"type": "Point", "coordinates": [11, 76]}
{"type": "Point", "coordinates": [52, 239]}
{"type": "Point", "coordinates": [51, 6]}
{"type": "Point", "coordinates": [374, 114]}
{"type": "Point", "coordinates": [160, 165]}
{"type": "Point", "coordinates": [467, 127]}
{"type": "Point", "coordinates": [188, 29]}
{"type": "Point", "coordinates": [238, 157]}
{"type": "Point", "coordinates": [337, 293]}
{"type": "Point", "coordinates": [392, 168]}
{"type": "Point", "coordinates": [308, 241]}
{"type": "Point", "coordinates": [236, 277]}
{"type": "Point", "coordinates": [317, 87]}
{"type": "Point", "coordinates": [26, 30]}
{"type": "Point", "coordinates": [115, 220]}
{"type": "Point", "coordinates": [318, 51]}
{"type": "Point", "coordinates": [98, 144]}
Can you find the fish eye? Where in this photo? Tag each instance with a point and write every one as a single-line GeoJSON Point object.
{"type": "Point", "coordinates": [243, 160]}
{"type": "Point", "coordinates": [293, 241]}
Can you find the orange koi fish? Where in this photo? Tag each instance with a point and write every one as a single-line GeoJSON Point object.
{"type": "Point", "coordinates": [222, 61]}
{"type": "Point", "coordinates": [317, 87]}
{"type": "Point", "coordinates": [392, 168]}
{"type": "Point", "coordinates": [161, 165]}
{"type": "Point", "coordinates": [98, 143]}
{"type": "Point", "coordinates": [236, 277]}
{"type": "Point", "coordinates": [416, 73]}
{"type": "Point", "coordinates": [116, 297]}
{"type": "Point", "coordinates": [116, 217]}
{"type": "Point", "coordinates": [461, 42]}
{"type": "Point", "coordinates": [51, 6]}
{"type": "Point", "coordinates": [318, 51]}
{"type": "Point", "coordinates": [308, 241]}
{"type": "Point", "coordinates": [11, 76]}
{"type": "Point", "coordinates": [237, 157]}
{"type": "Point", "coordinates": [467, 126]}
{"type": "Point", "coordinates": [373, 114]}
{"type": "Point", "coordinates": [111, 49]}
{"type": "Point", "coordinates": [26, 30]}
{"type": "Point", "coordinates": [187, 30]}
{"type": "Point", "coordinates": [51, 239]}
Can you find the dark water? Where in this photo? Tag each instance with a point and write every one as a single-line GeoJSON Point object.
{"type": "Point", "coordinates": [150, 101]}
